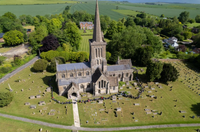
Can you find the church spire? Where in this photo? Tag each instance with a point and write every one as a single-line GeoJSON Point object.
{"type": "Point", "coordinates": [97, 26]}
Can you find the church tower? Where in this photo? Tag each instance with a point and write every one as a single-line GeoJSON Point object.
{"type": "Point", "coordinates": [98, 45]}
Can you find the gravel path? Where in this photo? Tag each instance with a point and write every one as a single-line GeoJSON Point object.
{"type": "Point", "coordinates": [9, 75]}
{"type": "Point", "coordinates": [97, 129]}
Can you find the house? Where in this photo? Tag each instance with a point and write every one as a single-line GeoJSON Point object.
{"type": "Point", "coordinates": [196, 51]}
{"type": "Point", "coordinates": [1, 38]}
{"type": "Point", "coordinates": [94, 76]}
{"type": "Point", "coordinates": [171, 42]}
{"type": "Point", "coordinates": [86, 25]}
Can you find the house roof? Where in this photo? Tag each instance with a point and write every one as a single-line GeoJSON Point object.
{"type": "Point", "coordinates": [62, 82]}
{"type": "Point", "coordinates": [113, 81]}
{"type": "Point", "coordinates": [86, 22]}
{"type": "Point", "coordinates": [97, 74]}
{"type": "Point", "coordinates": [1, 35]}
{"type": "Point", "coordinates": [73, 66]}
{"type": "Point", "coordinates": [118, 67]}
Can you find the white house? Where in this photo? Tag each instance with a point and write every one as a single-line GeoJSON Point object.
{"type": "Point", "coordinates": [171, 42]}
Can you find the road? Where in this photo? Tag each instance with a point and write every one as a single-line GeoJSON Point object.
{"type": "Point", "coordinates": [18, 69]}
{"type": "Point", "coordinates": [97, 129]}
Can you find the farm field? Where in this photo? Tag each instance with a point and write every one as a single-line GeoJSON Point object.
{"type": "Point", "coordinates": [33, 9]}
{"type": "Point", "coordinates": [32, 84]}
{"type": "Point", "coordinates": [105, 8]}
{"type": "Point", "coordinates": [168, 11]}
{"type": "Point", "coordinates": [31, 2]}
{"type": "Point", "coordinates": [9, 125]}
{"type": "Point", "coordinates": [183, 96]}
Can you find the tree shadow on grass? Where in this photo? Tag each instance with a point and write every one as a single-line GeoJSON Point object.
{"type": "Point", "coordinates": [196, 109]}
{"type": "Point", "coordinates": [51, 81]}
{"type": "Point", "coordinates": [191, 66]}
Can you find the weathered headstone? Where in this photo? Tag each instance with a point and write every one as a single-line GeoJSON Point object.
{"type": "Point", "coordinates": [31, 97]}
{"type": "Point", "coordinates": [136, 104]}
{"type": "Point", "coordinates": [27, 103]}
{"type": "Point", "coordinates": [48, 89]}
{"type": "Point", "coordinates": [33, 106]}
{"type": "Point", "coordinates": [100, 101]}
{"type": "Point", "coordinates": [114, 97]}
{"type": "Point", "coordinates": [38, 96]}
{"type": "Point", "coordinates": [118, 109]}
{"type": "Point", "coordinates": [42, 103]}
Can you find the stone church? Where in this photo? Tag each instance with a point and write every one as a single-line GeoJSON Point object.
{"type": "Point", "coordinates": [94, 76]}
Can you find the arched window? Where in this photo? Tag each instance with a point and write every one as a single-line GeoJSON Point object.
{"type": "Point", "coordinates": [126, 74]}
{"type": "Point", "coordinates": [99, 53]}
{"type": "Point", "coordinates": [99, 84]}
{"type": "Point", "coordinates": [119, 75]}
{"type": "Point", "coordinates": [82, 86]}
{"type": "Point", "coordinates": [71, 75]}
{"type": "Point", "coordinates": [113, 75]}
{"type": "Point", "coordinates": [97, 62]}
{"type": "Point", "coordinates": [63, 75]}
{"type": "Point", "coordinates": [79, 74]}
{"type": "Point", "coordinates": [87, 73]}
{"type": "Point", "coordinates": [88, 85]}
{"type": "Point", "coordinates": [96, 52]}
{"type": "Point", "coordinates": [100, 61]}
{"type": "Point", "coordinates": [102, 83]}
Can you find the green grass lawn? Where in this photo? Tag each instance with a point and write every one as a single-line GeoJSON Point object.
{"type": "Point", "coordinates": [37, 87]}
{"type": "Point", "coordinates": [85, 46]}
{"type": "Point", "coordinates": [4, 49]}
{"type": "Point", "coordinates": [33, 9]}
{"type": "Point", "coordinates": [30, 2]}
{"type": "Point", "coordinates": [9, 125]}
{"type": "Point", "coordinates": [193, 25]}
{"type": "Point", "coordinates": [88, 32]}
{"type": "Point", "coordinates": [187, 100]}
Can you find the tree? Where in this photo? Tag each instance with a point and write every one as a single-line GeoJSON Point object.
{"type": "Point", "coordinates": [67, 47]}
{"type": "Point", "coordinates": [10, 16]}
{"type": "Point", "coordinates": [129, 22]}
{"type": "Point", "coordinates": [13, 37]}
{"type": "Point", "coordinates": [49, 43]}
{"type": "Point", "coordinates": [61, 36]}
{"type": "Point", "coordinates": [6, 24]}
{"type": "Point", "coordinates": [112, 29]}
{"type": "Point", "coordinates": [52, 66]}
{"type": "Point", "coordinates": [117, 7]}
{"type": "Point", "coordinates": [142, 15]}
{"type": "Point", "coordinates": [187, 35]}
{"type": "Point", "coordinates": [183, 17]}
{"type": "Point", "coordinates": [17, 59]}
{"type": "Point", "coordinates": [105, 21]}
{"type": "Point", "coordinates": [120, 26]}
{"type": "Point", "coordinates": [73, 34]}
{"type": "Point", "coordinates": [197, 40]}
{"type": "Point", "coordinates": [154, 70]}
{"type": "Point", "coordinates": [108, 55]}
{"type": "Point", "coordinates": [40, 65]}
{"type": "Point", "coordinates": [162, 15]}
{"type": "Point", "coordinates": [197, 18]}
{"type": "Point", "coordinates": [191, 20]}
{"type": "Point", "coordinates": [169, 73]}
{"type": "Point", "coordinates": [143, 55]}
{"type": "Point", "coordinates": [5, 98]}
{"type": "Point", "coordinates": [54, 24]}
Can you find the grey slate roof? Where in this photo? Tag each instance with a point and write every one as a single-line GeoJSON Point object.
{"type": "Point", "coordinates": [118, 67]}
{"type": "Point", "coordinates": [86, 22]}
{"type": "Point", "coordinates": [1, 35]}
{"type": "Point", "coordinates": [73, 66]}
{"type": "Point", "coordinates": [62, 82]}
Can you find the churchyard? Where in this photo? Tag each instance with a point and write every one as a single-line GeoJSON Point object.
{"type": "Point", "coordinates": [158, 104]}
{"type": "Point", "coordinates": [31, 100]}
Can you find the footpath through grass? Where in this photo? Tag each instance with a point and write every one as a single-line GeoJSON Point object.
{"type": "Point", "coordinates": [10, 125]}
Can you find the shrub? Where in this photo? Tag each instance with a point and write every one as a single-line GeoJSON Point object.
{"type": "Point", "coordinates": [4, 69]}
{"type": "Point", "coordinates": [2, 59]}
{"type": "Point", "coordinates": [121, 84]}
{"type": "Point", "coordinates": [108, 55]}
{"type": "Point", "coordinates": [5, 99]}
{"type": "Point", "coordinates": [17, 60]}
{"type": "Point", "coordinates": [52, 66]}
{"type": "Point", "coordinates": [40, 65]}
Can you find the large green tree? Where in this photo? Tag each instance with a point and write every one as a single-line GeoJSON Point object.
{"type": "Point", "coordinates": [197, 18]}
{"type": "Point", "coordinates": [5, 98]}
{"type": "Point", "coordinates": [54, 24]}
{"type": "Point", "coordinates": [143, 55]}
{"type": "Point", "coordinates": [169, 73]}
{"type": "Point", "coordinates": [112, 29]}
{"type": "Point", "coordinates": [13, 37]}
{"type": "Point", "coordinates": [129, 22]}
{"type": "Point", "coordinates": [154, 69]}
{"type": "Point", "coordinates": [73, 34]}
{"type": "Point", "coordinates": [10, 16]}
{"type": "Point", "coordinates": [184, 16]}
{"type": "Point", "coordinates": [40, 65]}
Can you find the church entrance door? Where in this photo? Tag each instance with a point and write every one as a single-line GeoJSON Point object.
{"type": "Point", "coordinates": [74, 94]}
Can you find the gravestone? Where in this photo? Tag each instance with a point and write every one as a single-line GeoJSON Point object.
{"type": "Point", "coordinates": [101, 109]}
{"type": "Point", "coordinates": [33, 107]}
{"type": "Point", "coordinates": [148, 112]}
{"type": "Point", "coordinates": [181, 111]}
{"type": "Point", "coordinates": [146, 86]}
{"type": "Point", "coordinates": [38, 96]}
{"type": "Point", "coordinates": [114, 97]}
{"type": "Point", "coordinates": [156, 83]}
{"type": "Point", "coordinates": [27, 103]}
{"type": "Point", "coordinates": [136, 104]}
{"type": "Point", "coordinates": [31, 97]}
{"type": "Point", "coordinates": [48, 89]}
{"type": "Point", "coordinates": [42, 103]}
{"type": "Point", "coordinates": [127, 83]}
{"type": "Point", "coordinates": [149, 91]}
{"type": "Point", "coordinates": [100, 101]}
{"type": "Point", "coordinates": [118, 109]}
{"type": "Point", "coordinates": [152, 88]}
{"type": "Point", "coordinates": [135, 84]}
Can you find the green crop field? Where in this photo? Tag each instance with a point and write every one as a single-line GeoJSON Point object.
{"type": "Point", "coordinates": [105, 8]}
{"type": "Point", "coordinates": [31, 2]}
{"type": "Point", "coordinates": [10, 125]}
{"type": "Point", "coordinates": [33, 9]}
{"type": "Point", "coordinates": [169, 10]}
{"type": "Point", "coordinates": [35, 84]}
{"type": "Point", "coordinates": [184, 96]}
